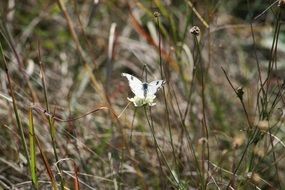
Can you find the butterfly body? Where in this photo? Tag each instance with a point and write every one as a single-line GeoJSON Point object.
{"type": "Point", "coordinates": [143, 90]}
{"type": "Point", "coordinates": [145, 86]}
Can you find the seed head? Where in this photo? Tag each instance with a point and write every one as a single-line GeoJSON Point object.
{"type": "Point", "coordinates": [281, 4]}
{"type": "Point", "coordinates": [195, 30]}
{"type": "Point", "coordinates": [240, 92]}
{"type": "Point", "coordinates": [263, 125]}
{"type": "Point", "coordinates": [156, 14]}
{"type": "Point", "coordinates": [238, 141]}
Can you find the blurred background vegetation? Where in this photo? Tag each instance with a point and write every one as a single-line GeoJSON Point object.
{"type": "Point", "coordinates": [218, 121]}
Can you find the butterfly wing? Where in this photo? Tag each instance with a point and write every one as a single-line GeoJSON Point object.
{"type": "Point", "coordinates": [153, 87]}
{"type": "Point", "coordinates": [135, 84]}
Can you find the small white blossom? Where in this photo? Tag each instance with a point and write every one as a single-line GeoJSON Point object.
{"type": "Point", "coordinates": [138, 102]}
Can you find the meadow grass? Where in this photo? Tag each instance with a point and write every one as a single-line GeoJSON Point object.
{"type": "Point", "coordinates": [65, 119]}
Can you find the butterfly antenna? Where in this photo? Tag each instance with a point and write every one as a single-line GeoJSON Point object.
{"type": "Point", "coordinates": [123, 110]}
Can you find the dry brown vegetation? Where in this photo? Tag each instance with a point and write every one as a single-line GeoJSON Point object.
{"type": "Point", "coordinates": [217, 122]}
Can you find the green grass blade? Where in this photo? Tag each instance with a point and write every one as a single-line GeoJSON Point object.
{"type": "Point", "coordinates": [33, 166]}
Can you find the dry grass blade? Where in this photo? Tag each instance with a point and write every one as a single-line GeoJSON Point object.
{"type": "Point", "coordinates": [76, 180]}
{"type": "Point", "coordinates": [56, 118]}
{"type": "Point", "coordinates": [47, 166]}
{"type": "Point", "coordinates": [15, 108]}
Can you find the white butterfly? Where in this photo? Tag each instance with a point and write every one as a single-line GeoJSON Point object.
{"type": "Point", "coordinates": [144, 92]}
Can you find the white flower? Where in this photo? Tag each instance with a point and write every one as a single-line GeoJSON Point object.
{"type": "Point", "coordinates": [138, 101]}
